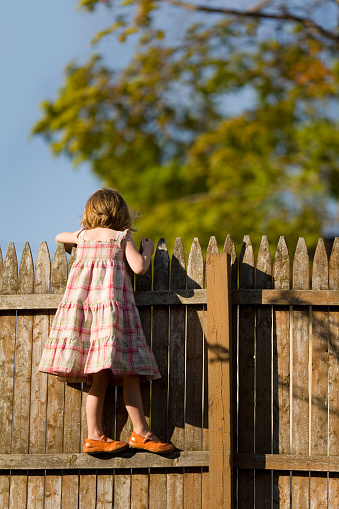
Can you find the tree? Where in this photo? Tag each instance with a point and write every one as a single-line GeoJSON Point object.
{"type": "Point", "coordinates": [163, 130]}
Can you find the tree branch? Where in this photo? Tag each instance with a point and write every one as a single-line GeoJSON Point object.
{"type": "Point", "coordinates": [260, 5]}
{"type": "Point", "coordinates": [257, 14]}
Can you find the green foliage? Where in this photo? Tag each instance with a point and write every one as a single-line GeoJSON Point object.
{"type": "Point", "coordinates": [162, 130]}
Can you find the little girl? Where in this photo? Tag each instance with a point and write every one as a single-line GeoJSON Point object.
{"type": "Point", "coordinates": [96, 334]}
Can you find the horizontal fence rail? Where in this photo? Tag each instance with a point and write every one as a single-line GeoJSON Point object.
{"type": "Point", "coordinates": [85, 461]}
{"type": "Point", "coordinates": [190, 297]}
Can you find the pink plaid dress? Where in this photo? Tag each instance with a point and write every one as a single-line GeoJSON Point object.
{"type": "Point", "coordinates": [97, 325]}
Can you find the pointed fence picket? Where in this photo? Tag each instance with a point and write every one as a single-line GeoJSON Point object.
{"type": "Point", "coordinates": [300, 375]}
{"type": "Point", "coordinates": [22, 378]}
{"type": "Point", "coordinates": [193, 477]}
{"type": "Point", "coordinates": [263, 374]}
{"type": "Point", "coordinates": [9, 285]}
{"type": "Point", "coordinates": [246, 373]}
{"type": "Point", "coordinates": [251, 402]}
{"type": "Point", "coordinates": [176, 376]}
{"type": "Point", "coordinates": [281, 380]}
{"type": "Point", "coordinates": [333, 377]}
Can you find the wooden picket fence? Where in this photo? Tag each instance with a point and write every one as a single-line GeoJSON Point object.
{"type": "Point", "coordinates": [249, 397]}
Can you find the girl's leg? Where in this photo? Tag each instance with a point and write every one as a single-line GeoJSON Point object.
{"type": "Point", "coordinates": [134, 405]}
{"type": "Point", "coordinates": [95, 403]}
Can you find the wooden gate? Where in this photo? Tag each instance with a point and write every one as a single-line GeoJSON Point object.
{"type": "Point", "coordinates": [42, 421]}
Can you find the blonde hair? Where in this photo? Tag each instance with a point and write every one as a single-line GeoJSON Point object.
{"type": "Point", "coordinates": [106, 208]}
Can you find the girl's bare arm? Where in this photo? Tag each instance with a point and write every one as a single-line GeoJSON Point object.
{"type": "Point", "coordinates": [139, 262]}
{"type": "Point", "coordinates": [69, 239]}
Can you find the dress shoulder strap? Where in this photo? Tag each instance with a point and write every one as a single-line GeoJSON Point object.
{"type": "Point", "coordinates": [121, 235]}
{"type": "Point", "coordinates": [81, 234]}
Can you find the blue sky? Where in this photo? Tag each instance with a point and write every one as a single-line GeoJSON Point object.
{"type": "Point", "coordinates": [39, 195]}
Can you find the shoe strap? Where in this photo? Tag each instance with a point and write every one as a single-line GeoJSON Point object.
{"type": "Point", "coordinates": [147, 437]}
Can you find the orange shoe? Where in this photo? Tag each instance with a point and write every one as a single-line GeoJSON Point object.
{"type": "Point", "coordinates": [145, 443]}
{"type": "Point", "coordinates": [103, 445]}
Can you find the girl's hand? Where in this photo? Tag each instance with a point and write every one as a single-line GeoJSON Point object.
{"type": "Point", "coordinates": [139, 262]}
{"type": "Point", "coordinates": [147, 246]}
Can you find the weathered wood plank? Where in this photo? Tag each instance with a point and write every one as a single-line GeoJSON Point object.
{"type": "Point", "coordinates": [37, 438]}
{"type": "Point", "coordinates": [192, 488]}
{"type": "Point", "coordinates": [281, 374]}
{"type": "Point", "coordinates": [56, 392]}
{"type": "Point", "coordinates": [263, 357]}
{"type": "Point", "coordinates": [139, 489]}
{"type": "Point", "coordinates": [300, 490]}
{"type": "Point", "coordinates": [283, 462]}
{"type": "Point", "coordinates": [53, 489]}
{"type": "Point", "coordinates": [320, 361]}
{"type": "Point", "coordinates": [144, 284]}
{"type": "Point", "coordinates": [230, 249]}
{"type": "Point", "coordinates": [158, 482]}
{"type": "Point", "coordinates": [108, 419]}
{"type": "Point", "coordinates": [38, 413]}
{"type": "Point", "coordinates": [281, 489]}
{"type": "Point", "coordinates": [220, 424]}
{"type": "Point", "coordinates": [87, 490]}
{"type": "Point", "coordinates": [300, 375]}
{"type": "Point", "coordinates": [318, 491]}
{"type": "Point", "coordinates": [246, 354]}
{"type": "Point", "coordinates": [72, 258]}
{"type": "Point", "coordinates": [122, 419]}
{"type": "Point", "coordinates": [17, 491]}
{"type": "Point", "coordinates": [333, 375]}
{"type": "Point", "coordinates": [72, 440]}
{"type": "Point", "coordinates": [22, 382]}
{"type": "Point", "coordinates": [205, 489]}
{"type": "Point", "coordinates": [189, 297]}
{"type": "Point", "coordinates": [70, 489]}
{"type": "Point", "coordinates": [7, 349]}
{"type": "Point", "coordinates": [176, 380]}
{"type": "Point", "coordinates": [4, 489]}
{"type": "Point", "coordinates": [175, 489]}
{"type": "Point", "coordinates": [194, 353]}
{"type": "Point", "coordinates": [286, 297]}
{"type": "Point", "coordinates": [142, 298]}
{"type": "Point", "coordinates": [333, 492]}
{"type": "Point", "coordinates": [23, 356]}
{"type": "Point", "coordinates": [36, 489]}
{"type": "Point", "coordinates": [159, 414]}
{"type": "Point", "coordinates": [128, 459]}
{"type": "Point", "coordinates": [104, 489]}
{"type": "Point", "coordinates": [194, 373]}
{"type": "Point", "coordinates": [84, 429]}
{"type": "Point", "coordinates": [122, 488]}
{"type": "Point", "coordinates": [160, 346]}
